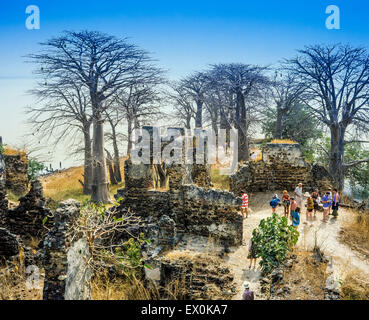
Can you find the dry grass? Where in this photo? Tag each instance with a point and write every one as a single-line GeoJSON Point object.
{"type": "Point", "coordinates": [220, 181]}
{"type": "Point", "coordinates": [9, 151]}
{"type": "Point", "coordinates": [306, 279]}
{"type": "Point", "coordinates": [355, 286]}
{"type": "Point", "coordinates": [283, 141]}
{"type": "Point", "coordinates": [355, 232]}
{"type": "Point", "coordinates": [65, 184]}
{"type": "Point", "coordinates": [13, 282]}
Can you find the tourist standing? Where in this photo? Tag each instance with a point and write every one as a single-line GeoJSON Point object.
{"type": "Point", "coordinates": [296, 217]}
{"type": "Point", "coordinates": [286, 203]}
{"type": "Point", "coordinates": [293, 206]}
{"type": "Point", "coordinates": [309, 208]}
{"type": "Point", "coordinates": [274, 202]}
{"type": "Point", "coordinates": [247, 294]}
{"type": "Point", "coordinates": [298, 195]}
{"type": "Point", "coordinates": [245, 204]}
{"type": "Point", "coordinates": [252, 253]}
{"type": "Point", "coordinates": [315, 196]}
{"type": "Point", "coordinates": [335, 203]}
{"type": "Point", "coordinates": [326, 204]}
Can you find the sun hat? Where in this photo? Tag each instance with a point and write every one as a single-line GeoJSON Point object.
{"type": "Point", "coordinates": [246, 285]}
{"type": "Point", "coordinates": [307, 194]}
{"type": "Point", "coordinates": [284, 191]}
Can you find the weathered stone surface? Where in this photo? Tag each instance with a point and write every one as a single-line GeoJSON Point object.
{"type": "Point", "coordinates": [283, 167]}
{"type": "Point", "coordinates": [9, 244]}
{"type": "Point", "coordinates": [16, 173]}
{"type": "Point", "coordinates": [197, 276]}
{"type": "Point", "coordinates": [63, 257]}
{"type": "Point", "coordinates": [27, 220]}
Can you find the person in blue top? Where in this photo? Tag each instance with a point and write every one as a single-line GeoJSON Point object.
{"type": "Point", "coordinates": [274, 202]}
{"type": "Point", "coordinates": [327, 202]}
{"type": "Point", "coordinates": [296, 217]}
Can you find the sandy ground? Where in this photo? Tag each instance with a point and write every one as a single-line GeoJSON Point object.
{"type": "Point", "coordinates": [325, 235]}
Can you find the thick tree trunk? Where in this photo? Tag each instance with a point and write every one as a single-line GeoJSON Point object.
{"type": "Point", "coordinates": [116, 162]}
{"type": "Point", "coordinates": [109, 163]}
{"type": "Point", "coordinates": [198, 119]}
{"type": "Point", "coordinates": [100, 183]}
{"type": "Point", "coordinates": [129, 136]}
{"type": "Point", "coordinates": [243, 145]}
{"type": "Point", "coordinates": [87, 175]}
{"type": "Point", "coordinates": [336, 165]}
{"type": "Point", "coordinates": [278, 125]}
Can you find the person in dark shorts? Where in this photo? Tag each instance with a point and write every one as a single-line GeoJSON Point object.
{"type": "Point", "coordinates": [286, 203]}
{"type": "Point", "coordinates": [335, 203]}
{"type": "Point", "coordinates": [315, 196]}
{"type": "Point", "coordinates": [252, 253]}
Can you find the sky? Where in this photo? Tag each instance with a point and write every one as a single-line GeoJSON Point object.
{"type": "Point", "coordinates": [183, 36]}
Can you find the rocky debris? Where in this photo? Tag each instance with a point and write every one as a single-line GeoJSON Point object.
{"type": "Point", "coordinates": [9, 244]}
{"type": "Point", "coordinates": [332, 289]}
{"type": "Point", "coordinates": [197, 276]}
{"type": "Point", "coordinates": [3, 199]}
{"type": "Point", "coordinates": [283, 167]}
{"type": "Point", "coordinates": [31, 217]}
{"type": "Point", "coordinates": [64, 257]}
{"type": "Point", "coordinates": [16, 173]}
{"type": "Point", "coordinates": [167, 232]}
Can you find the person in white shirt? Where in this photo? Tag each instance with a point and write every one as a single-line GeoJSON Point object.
{"type": "Point", "coordinates": [298, 195]}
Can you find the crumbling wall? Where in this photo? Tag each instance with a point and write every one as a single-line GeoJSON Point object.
{"type": "Point", "coordinates": [196, 276]}
{"type": "Point", "coordinates": [3, 199]}
{"type": "Point", "coordinates": [31, 216]}
{"type": "Point", "coordinates": [67, 276]}
{"type": "Point", "coordinates": [283, 167]}
{"type": "Point", "coordinates": [16, 173]}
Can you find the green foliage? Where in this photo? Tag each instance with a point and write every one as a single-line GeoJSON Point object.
{"type": "Point", "coordinates": [298, 125]}
{"type": "Point", "coordinates": [273, 239]}
{"type": "Point", "coordinates": [358, 176]}
{"type": "Point", "coordinates": [130, 256]}
{"type": "Point", "coordinates": [1, 148]}
{"type": "Point", "coordinates": [34, 169]}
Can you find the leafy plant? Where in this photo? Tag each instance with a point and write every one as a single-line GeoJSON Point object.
{"type": "Point", "coordinates": [273, 239]}
{"type": "Point", "coordinates": [34, 169]}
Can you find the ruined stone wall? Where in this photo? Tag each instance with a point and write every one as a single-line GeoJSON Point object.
{"type": "Point", "coordinates": [283, 167]}
{"type": "Point", "coordinates": [31, 216]}
{"type": "Point", "coordinates": [3, 199]}
{"type": "Point", "coordinates": [67, 277]}
{"type": "Point", "coordinates": [16, 173]}
{"type": "Point", "coordinates": [197, 276]}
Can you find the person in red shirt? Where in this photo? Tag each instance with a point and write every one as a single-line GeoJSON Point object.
{"type": "Point", "coordinates": [245, 204]}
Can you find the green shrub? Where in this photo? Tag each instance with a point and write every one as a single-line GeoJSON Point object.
{"type": "Point", "coordinates": [34, 169]}
{"type": "Point", "coordinates": [274, 238]}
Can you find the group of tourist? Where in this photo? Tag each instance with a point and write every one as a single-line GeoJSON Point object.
{"type": "Point", "coordinates": [292, 205]}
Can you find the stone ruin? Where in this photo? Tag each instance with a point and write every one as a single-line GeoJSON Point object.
{"type": "Point", "coordinates": [193, 209]}
{"type": "Point", "coordinates": [16, 173]}
{"type": "Point", "coordinates": [282, 167]}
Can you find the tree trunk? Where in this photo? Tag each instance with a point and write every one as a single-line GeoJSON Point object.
{"type": "Point", "coordinates": [129, 136]}
{"type": "Point", "coordinates": [278, 125]}
{"type": "Point", "coordinates": [243, 145]}
{"type": "Point", "coordinates": [336, 165]}
{"type": "Point", "coordinates": [100, 183]}
{"type": "Point", "coordinates": [116, 162]}
{"type": "Point", "coordinates": [109, 162]}
{"type": "Point", "coordinates": [198, 120]}
{"type": "Point", "coordinates": [87, 174]}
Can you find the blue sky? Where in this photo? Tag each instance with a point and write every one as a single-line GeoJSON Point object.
{"type": "Point", "coordinates": [182, 35]}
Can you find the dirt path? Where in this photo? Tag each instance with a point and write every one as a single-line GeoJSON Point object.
{"type": "Point", "coordinates": [325, 235]}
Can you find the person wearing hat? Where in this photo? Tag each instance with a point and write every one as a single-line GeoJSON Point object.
{"type": "Point", "coordinates": [247, 294]}
{"type": "Point", "coordinates": [309, 207]}
{"type": "Point", "coordinates": [274, 202]}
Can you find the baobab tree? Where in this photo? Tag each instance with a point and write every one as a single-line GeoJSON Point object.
{"type": "Point", "coordinates": [285, 95]}
{"type": "Point", "coordinates": [245, 83]}
{"type": "Point", "coordinates": [103, 65]}
{"type": "Point", "coordinates": [336, 81]}
{"type": "Point", "coordinates": [61, 112]}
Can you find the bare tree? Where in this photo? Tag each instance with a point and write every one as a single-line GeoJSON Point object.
{"type": "Point", "coordinates": [336, 79]}
{"type": "Point", "coordinates": [285, 94]}
{"type": "Point", "coordinates": [243, 83]}
{"type": "Point", "coordinates": [182, 103]}
{"type": "Point", "coordinates": [195, 87]}
{"type": "Point", "coordinates": [103, 65]}
{"type": "Point", "coordinates": [62, 110]}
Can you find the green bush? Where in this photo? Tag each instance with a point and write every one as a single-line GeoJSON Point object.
{"type": "Point", "coordinates": [273, 239]}
{"type": "Point", "coordinates": [34, 169]}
